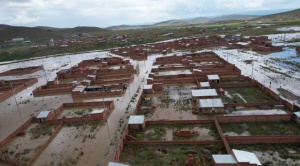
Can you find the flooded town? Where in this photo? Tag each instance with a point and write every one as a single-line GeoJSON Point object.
{"type": "Point", "coordinates": [184, 96]}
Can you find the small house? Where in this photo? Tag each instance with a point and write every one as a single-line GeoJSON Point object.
{"type": "Point", "coordinates": [204, 85]}
{"type": "Point", "coordinates": [208, 106]}
{"type": "Point", "coordinates": [147, 89]}
{"type": "Point", "coordinates": [117, 164]}
{"type": "Point", "coordinates": [158, 86]}
{"type": "Point", "coordinates": [213, 78]}
{"type": "Point", "coordinates": [42, 116]}
{"type": "Point", "coordinates": [101, 113]}
{"type": "Point", "coordinates": [244, 157]}
{"type": "Point", "coordinates": [238, 157]}
{"type": "Point", "coordinates": [136, 122]}
{"type": "Point", "coordinates": [224, 160]}
{"type": "Point", "coordinates": [204, 93]}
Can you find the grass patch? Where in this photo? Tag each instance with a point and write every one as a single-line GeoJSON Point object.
{"type": "Point", "coordinates": [262, 128]}
{"type": "Point", "coordinates": [164, 155]}
{"type": "Point", "coordinates": [250, 94]}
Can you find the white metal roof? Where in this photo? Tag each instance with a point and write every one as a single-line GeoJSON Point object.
{"type": "Point", "coordinates": [197, 70]}
{"type": "Point", "coordinates": [244, 156]}
{"type": "Point", "coordinates": [204, 84]}
{"type": "Point", "coordinates": [242, 43]}
{"type": "Point", "coordinates": [86, 80]}
{"type": "Point", "coordinates": [297, 114]}
{"type": "Point", "coordinates": [149, 86]}
{"type": "Point", "coordinates": [224, 159]}
{"type": "Point", "coordinates": [43, 114]}
{"type": "Point", "coordinates": [155, 67]}
{"type": "Point", "coordinates": [209, 103]}
{"type": "Point", "coordinates": [116, 164]}
{"type": "Point", "coordinates": [79, 88]}
{"type": "Point", "coordinates": [213, 77]}
{"type": "Point", "coordinates": [97, 111]}
{"type": "Point", "coordinates": [204, 92]}
{"type": "Point", "coordinates": [93, 76]}
{"type": "Point", "coordinates": [136, 119]}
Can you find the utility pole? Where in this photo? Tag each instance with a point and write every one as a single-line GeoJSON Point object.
{"type": "Point", "coordinates": [252, 70]}
{"type": "Point", "coordinates": [70, 62]}
{"type": "Point", "coordinates": [44, 71]}
{"type": "Point", "coordinates": [13, 91]}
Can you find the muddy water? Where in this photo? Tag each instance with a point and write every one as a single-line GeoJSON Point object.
{"type": "Point", "coordinates": [77, 112]}
{"type": "Point", "coordinates": [29, 142]}
{"type": "Point", "coordinates": [102, 149]}
{"type": "Point", "coordinates": [95, 151]}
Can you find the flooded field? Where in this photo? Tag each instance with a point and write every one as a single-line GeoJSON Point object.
{"type": "Point", "coordinates": [77, 112]}
{"type": "Point", "coordinates": [274, 154]}
{"type": "Point", "coordinates": [98, 147]}
{"type": "Point", "coordinates": [173, 103]}
{"type": "Point", "coordinates": [72, 143]}
{"type": "Point", "coordinates": [169, 132]}
{"type": "Point", "coordinates": [137, 155]}
{"type": "Point", "coordinates": [255, 111]}
{"type": "Point", "coordinates": [245, 95]}
{"type": "Point", "coordinates": [28, 142]}
{"type": "Point", "coordinates": [261, 128]}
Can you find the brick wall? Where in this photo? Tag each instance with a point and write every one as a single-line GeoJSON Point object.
{"type": "Point", "coordinates": [179, 142]}
{"type": "Point", "coordinates": [255, 118]}
{"type": "Point", "coordinates": [44, 146]}
{"type": "Point", "coordinates": [278, 139]}
{"type": "Point", "coordinates": [149, 122]}
{"type": "Point", "coordinates": [24, 71]}
{"type": "Point", "coordinates": [13, 134]}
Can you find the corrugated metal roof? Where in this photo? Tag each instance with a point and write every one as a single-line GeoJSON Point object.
{"type": "Point", "coordinates": [204, 84]}
{"type": "Point", "coordinates": [244, 156]}
{"type": "Point", "coordinates": [43, 114]}
{"type": "Point", "coordinates": [224, 159]}
{"type": "Point", "coordinates": [86, 80]}
{"type": "Point", "coordinates": [297, 114]}
{"type": "Point", "coordinates": [213, 77]}
{"type": "Point", "coordinates": [117, 164]}
{"type": "Point", "coordinates": [136, 119]}
{"type": "Point", "coordinates": [97, 111]}
{"type": "Point", "coordinates": [149, 86]}
{"type": "Point", "coordinates": [93, 76]}
{"type": "Point", "coordinates": [204, 92]}
{"type": "Point", "coordinates": [79, 88]}
{"type": "Point", "coordinates": [209, 103]}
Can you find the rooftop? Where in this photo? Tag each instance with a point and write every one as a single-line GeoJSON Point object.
{"type": "Point", "coordinates": [204, 92]}
{"type": "Point", "coordinates": [244, 156]}
{"type": "Point", "coordinates": [97, 111]}
{"type": "Point", "coordinates": [43, 114]}
{"type": "Point", "coordinates": [208, 103]}
{"type": "Point", "coordinates": [150, 86]}
{"type": "Point", "coordinates": [204, 84]}
{"type": "Point", "coordinates": [213, 77]}
{"type": "Point", "coordinates": [116, 164]}
{"type": "Point", "coordinates": [79, 88]}
{"type": "Point", "coordinates": [224, 159]}
{"type": "Point", "coordinates": [136, 119]}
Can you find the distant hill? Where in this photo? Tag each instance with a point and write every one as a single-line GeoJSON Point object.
{"type": "Point", "coordinates": [293, 14]}
{"type": "Point", "coordinates": [264, 12]}
{"type": "Point", "coordinates": [43, 33]}
{"type": "Point", "coordinates": [190, 21]}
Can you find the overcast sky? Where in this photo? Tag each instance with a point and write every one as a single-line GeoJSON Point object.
{"type": "Point", "coordinates": [104, 13]}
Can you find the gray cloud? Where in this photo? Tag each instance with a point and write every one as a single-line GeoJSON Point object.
{"type": "Point", "coordinates": [102, 13]}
